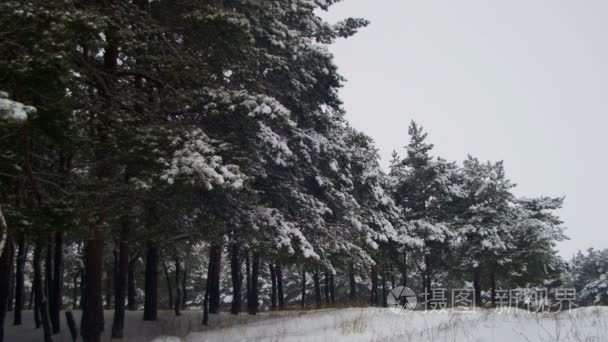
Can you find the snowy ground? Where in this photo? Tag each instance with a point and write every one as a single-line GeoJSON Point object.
{"type": "Point", "coordinates": [359, 324]}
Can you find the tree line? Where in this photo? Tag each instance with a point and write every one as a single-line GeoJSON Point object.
{"type": "Point", "coordinates": [204, 142]}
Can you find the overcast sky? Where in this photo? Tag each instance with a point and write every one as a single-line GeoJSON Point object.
{"type": "Point", "coordinates": [524, 81]}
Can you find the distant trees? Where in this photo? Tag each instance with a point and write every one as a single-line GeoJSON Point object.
{"type": "Point", "coordinates": [469, 222]}
{"type": "Point", "coordinates": [588, 274]}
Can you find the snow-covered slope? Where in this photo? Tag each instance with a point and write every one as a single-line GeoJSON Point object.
{"type": "Point", "coordinates": [354, 324]}
{"type": "Point", "coordinates": [588, 324]}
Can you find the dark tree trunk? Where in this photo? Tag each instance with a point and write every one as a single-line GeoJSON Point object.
{"type": "Point", "coordinates": [31, 300]}
{"type": "Point", "coordinates": [384, 294]}
{"type": "Point", "coordinates": [83, 284]}
{"type": "Point", "coordinates": [178, 292]}
{"type": "Point", "coordinates": [327, 300]}
{"type": "Point", "coordinates": [120, 285]}
{"type": "Point", "coordinates": [184, 289]}
{"type": "Point", "coordinates": [5, 264]}
{"type": "Point", "coordinates": [206, 306]}
{"type": "Point", "coordinates": [37, 282]}
{"type": "Point", "coordinates": [477, 286]}
{"type": "Point", "coordinates": [69, 317]}
{"type": "Point", "coordinates": [169, 286]}
{"type": "Point", "coordinates": [75, 292]}
{"type": "Point", "coordinates": [235, 267]}
{"type": "Point", "coordinates": [281, 298]}
{"type": "Point", "coordinates": [20, 279]}
{"type": "Point", "coordinates": [247, 278]}
{"type": "Point", "coordinates": [215, 259]}
{"type": "Point", "coordinates": [41, 301]}
{"type": "Point", "coordinates": [273, 287]}
{"type": "Point", "coordinates": [255, 270]}
{"type": "Point", "coordinates": [427, 279]}
{"type": "Point", "coordinates": [303, 295]}
{"type": "Point", "coordinates": [493, 286]}
{"type": "Point", "coordinates": [11, 279]}
{"type": "Point", "coordinates": [151, 284]}
{"type": "Point", "coordinates": [49, 284]}
{"type": "Point", "coordinates": [332, 289]}
{"type": "Point", "coordinates": [317, 285]}
{"type": "Point", "coordinates": [404, 270]}
{"type": "Point", "coordinates": [57, 293]}
{"type": "Point", "coordinates": [131, 290]}
{"type": "Point", "coordinates": [353, 285]}
{"type": "Point", "coordinates": [110, 271]}
{"type": "Point", "coordinates": [92, 316]}
{"type": "Point", "coordinates": [392, 276]}
{"type": "Point", "coordinates": [374, 289]}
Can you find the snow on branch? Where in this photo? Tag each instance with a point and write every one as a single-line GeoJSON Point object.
{"type": "Point", "coordinates": [13, 111]}
{"type": "Point", "coordinates": [196, 161]}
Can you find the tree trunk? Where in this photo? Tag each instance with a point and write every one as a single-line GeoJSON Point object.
{"type": "Point", "coordinates": [353, 285]}
{"type": "Point", "coordinates": [493, 286]}
{"type": "Point", "coordinates": [332, 289]}
{"type": "Point", "coordinates": [110, 271]}
{"type": "Point", "coordinates": [57, 292]}
{"type": "Point", "coordinates": [206, 306]}
{"type": "Point", "coordinates": [41, 301]}
{"type": "Point", "coordinates": [11, 279]}
{"type": "Point", "coordinates": [120, 284]}
{"type": "Point", "coordinates": [5, 265]}
{"type": "Point", "coordinates": [92, 315]}
{"type": "Point", "coordinates": [37, 282]}
{"type": "Point", "coordinates": [169, 286]}
{"type": "Point", "coordinates": [392, 273]}
{"type": "Point", "coordinates": [131, 290]}
{"type": "Point", "coordinates": [83, 285]}
{"type": "Point", "coordinates": [215, 259]}
{"type": "Point", "coordinates": [31, 297]}
{"type": "Point", "coordinates": [75, 292]}
{"type": "Point", "coordinates": [303, 287]}
{"type": "Point", "coordinates": [374, 289]}
{"type": "Point", "coordinates": [184, 282]}
{"type": "Point", "coordinates": [384, 294]}
{"type": "Point", "coordinates": [248, 279]}
{"type": "Point", "coordinates": [327, 301]}
{"type": "Point", "coordinates": [281, 298]}
{"type": "Point", "coordinates": [151, 284]}
{"type": "Point", "coordinates": [317, 285]}
{"type": "Point", "coordinates": [20, 279]}
{"type": "Point", "coordinates": [477, 286]}
{"type": "Point", "coordinates": [69, 317]}
{"type": "Point", "coordinates": [3, 232]}
{"type": "Point", "coordinates": [178, 292]}
{"type": "Point", "coordinates": [255, 270]}
{"type": "Point", "coordinates": [427, 280]}
{"type": "Point", "coordinates": [404, 270]}
{"type": "Point", "coordinates": [235, 267]}
{"type": "Point", "coordinates": [48, 283]}
{"type": "Point", "coordinates": [273, 287]}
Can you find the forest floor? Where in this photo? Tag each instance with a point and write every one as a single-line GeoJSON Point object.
{"type": "Point", "coordinates": [354, 324]}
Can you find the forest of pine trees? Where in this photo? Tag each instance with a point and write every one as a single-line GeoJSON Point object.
{"type": "Point", "coordinates": [195, 155]}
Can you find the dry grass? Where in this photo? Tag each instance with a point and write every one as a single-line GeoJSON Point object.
{"type": "Point", "coordinates": [354, 326]}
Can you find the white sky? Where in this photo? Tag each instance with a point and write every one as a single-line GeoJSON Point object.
{"type": "Point", "coordinates": [524, 81]}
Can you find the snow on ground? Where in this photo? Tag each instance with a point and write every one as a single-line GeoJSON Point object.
{"type": "Point", "coordinates": [355, 324]}
{"type": "Point", "coordinates": [372, 324]}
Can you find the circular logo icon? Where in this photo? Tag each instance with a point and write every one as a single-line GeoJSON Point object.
{"type": "Point", "coordinates": [401, 300]}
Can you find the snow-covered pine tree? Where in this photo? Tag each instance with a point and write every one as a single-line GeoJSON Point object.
{"type": "Point", "coordinates": [487, 204]}
{"type": "Point", "coordinates": [425, 188]}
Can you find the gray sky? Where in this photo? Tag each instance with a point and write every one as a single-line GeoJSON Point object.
{"type": "Point", "coordinates": [524, 81]}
